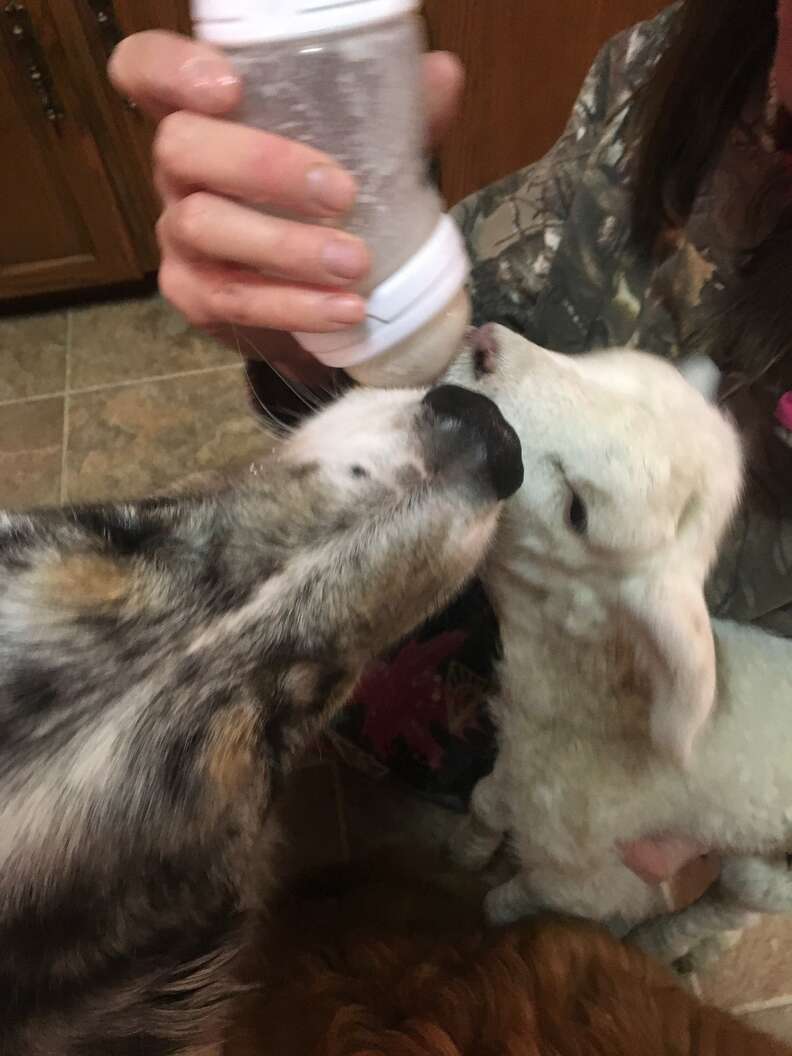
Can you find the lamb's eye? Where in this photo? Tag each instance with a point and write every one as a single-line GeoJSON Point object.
{"type": "Point", "coordinates": [358, 471]}
{"type": "Point", "coordinates": [577, 515]}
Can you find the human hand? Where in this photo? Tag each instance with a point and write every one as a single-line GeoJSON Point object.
{"type": "Point", "coordinates": [225, 265]}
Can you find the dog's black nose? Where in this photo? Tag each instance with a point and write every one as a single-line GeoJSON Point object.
{"type": "Point", "coordinates": [471, 432]}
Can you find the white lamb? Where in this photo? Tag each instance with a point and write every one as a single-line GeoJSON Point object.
{"type": "Point", "coordinates": [623, 711]}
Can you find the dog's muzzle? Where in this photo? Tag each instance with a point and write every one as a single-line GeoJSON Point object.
{"type": "Point", "coordinates": [470, 434]}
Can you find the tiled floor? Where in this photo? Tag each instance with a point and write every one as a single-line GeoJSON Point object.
{"type": "Point", "coordinates": [125, 399]}
{"type": "Point", "coordinates": [115, 401]}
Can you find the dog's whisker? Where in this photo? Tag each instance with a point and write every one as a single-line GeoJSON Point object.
{"type": "Point", "coordinates": [272, 425]}
{"type": "Point", "coordinates": [302, 393]}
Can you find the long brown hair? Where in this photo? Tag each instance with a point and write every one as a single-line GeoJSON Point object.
{"type": "Point", "coordinates": [718, 52]}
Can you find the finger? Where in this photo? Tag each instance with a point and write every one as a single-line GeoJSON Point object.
{"type": "Point", "coordinates": [162, 72]}
{"type": "Point", "coordinates": [444, 78]}
{"type": "Point", "coordinates": [241, 162]}
{"type": "Point", "coordinates": [204, 226]}
{"type": "Point", "coordinates": [212, 295]}
{"type": "Point", "coordinates": [166, 189]}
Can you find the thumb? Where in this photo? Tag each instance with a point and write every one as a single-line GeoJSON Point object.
{"type": "Point", "coordinates": [162, 72]}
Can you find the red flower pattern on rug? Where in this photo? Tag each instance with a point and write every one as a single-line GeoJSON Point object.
{"type": "Point", "coordinates": [405, 697]}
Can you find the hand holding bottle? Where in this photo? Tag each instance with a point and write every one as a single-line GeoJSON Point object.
{"type": "Point", "coordinates": [222, 261]}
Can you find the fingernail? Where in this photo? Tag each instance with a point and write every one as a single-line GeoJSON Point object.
{"type": "Point", "coordinates": [345, 257]}
{"type": "Point", "coordinates": [331, 188]}
{"type": "Point", "coordinates": [212, 81]}
{"type": "Point", "coordinates": [347, 308]}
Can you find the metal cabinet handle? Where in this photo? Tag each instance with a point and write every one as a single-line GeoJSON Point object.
{"type": "Point", "coordinates": [32, 57]}
{"type": "Point", "coordinates": [109, 30]}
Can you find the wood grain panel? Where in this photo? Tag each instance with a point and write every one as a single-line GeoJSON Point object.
{"type": "Point", "coordinates": [525, 62]}
{"type": "Point", "coordinates": [124, 134]}
{"type": "Point", "coordinates": [60, 221]}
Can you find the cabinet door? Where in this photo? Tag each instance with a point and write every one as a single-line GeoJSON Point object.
{"type": "Point", "coordinates": [525, 62]}
{"type": "Point", "coordinates": [95, 27]}
{"type": "Point", "coordinates": [60, 221]}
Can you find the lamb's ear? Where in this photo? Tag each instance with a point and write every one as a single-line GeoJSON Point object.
{"type": "Point", "coordinates": [703, 375]}
{"type": "Point", "coordinates": [667, 618]}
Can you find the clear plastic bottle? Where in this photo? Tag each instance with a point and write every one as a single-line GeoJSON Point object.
{"type": "Point", "coordinates": [345, 77]}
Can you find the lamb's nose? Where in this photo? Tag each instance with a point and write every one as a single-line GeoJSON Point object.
{"type": "Point", "coordinates": [470, 431]}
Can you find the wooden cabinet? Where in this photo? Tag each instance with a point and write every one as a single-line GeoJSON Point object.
{"type": "Point", "coordinates": [121, 131]}
{"type": "Point", "coordinates": [77, 208]}
{"type": "Point", "coordinates": [525, 62]}
{"type": "Point", "coordinates": [60, 219]}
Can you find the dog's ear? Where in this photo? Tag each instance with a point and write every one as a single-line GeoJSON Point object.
{"type": "Point", "coordinates": [668, 621]}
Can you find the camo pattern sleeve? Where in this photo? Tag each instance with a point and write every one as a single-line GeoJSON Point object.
{"type": "Point", "coordinates": [514, 227]}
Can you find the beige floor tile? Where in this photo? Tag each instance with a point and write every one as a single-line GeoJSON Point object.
{"type": "Point", "coordinates": [311, 820]}
{"type": "Point", "coordinates": [32, 355]}
{"type": "Point", "coordinates": [775, 1021]}
{"type": "Point", "coordinates": [757, 968]}
{"type": "Point", "coordinates": [30, 453]}
{"type": "Point", "coordinates": [137, 439]}
{"type": "Point", "coordinates": [134, 339]}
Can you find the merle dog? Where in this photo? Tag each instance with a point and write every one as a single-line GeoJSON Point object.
{"type": "Point", "coordinates": [163, 663]}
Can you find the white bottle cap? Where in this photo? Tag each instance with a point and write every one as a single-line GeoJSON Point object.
{"type": "Point", "coordinates": [229, 22]}
{"type": "Point", "coordinates": [401, 305]}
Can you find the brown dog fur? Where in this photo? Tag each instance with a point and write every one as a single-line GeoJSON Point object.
{"type": "Point", "coordinates": [373, 962]}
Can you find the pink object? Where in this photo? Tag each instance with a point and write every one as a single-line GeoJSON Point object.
{"type": "Point", "coordinates": [784, 411]}
{"type": "Point", "coordinates": [406, 699]}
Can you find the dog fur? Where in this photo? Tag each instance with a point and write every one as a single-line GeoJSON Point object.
{"type": "Point", "coordinates": [162, 664]}
{"type": "Point", "coordinates": [623, 711]}
{"type": "Point", "coordinates": [374, 959]}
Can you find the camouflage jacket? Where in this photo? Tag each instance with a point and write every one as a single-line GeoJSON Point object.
{"type": "Point", "coordinates": [552, 254]}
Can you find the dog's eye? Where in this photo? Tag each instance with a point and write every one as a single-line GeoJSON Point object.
{"type": "Point", "coordinates": [577, 516]}
{"type": "Point", "coordinates": [358, 471]}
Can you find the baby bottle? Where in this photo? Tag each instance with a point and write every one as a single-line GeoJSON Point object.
{"type": "Point", "coordinates": [345, 77]}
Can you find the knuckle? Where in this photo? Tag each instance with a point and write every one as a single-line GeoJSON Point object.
{"type": "Point", "coordinates": [124, 65]}
{"type": "Point", "coordinates": [161, 232]}
{"type": "Point", "coordinates": [170, 283]}
{"type": "Point", "coordinates": [229, 301]}
{"type": "Point", "coordinates": [280, 161]}
{"type": "Point", "coordinates": [189, 218]}
{"type": "Point", "coordinates": [175, 287]}
{"type": "Point", "coordinates": [117, 65]}
{"type": "Point", "coordinates": [291, 155]}
{"type": "Point", "coordinates": [298, 250]}
{"type": "Point", "coordinates": [225, 301]}
{"type": "Point", "coordinates": [285, 248]}
{"type": "Point", "coordinates": [170, 141]}
{"type": "Point", "coordinates": [160, 186]}
{"type": "Point", "coordinates": [263, 151]}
